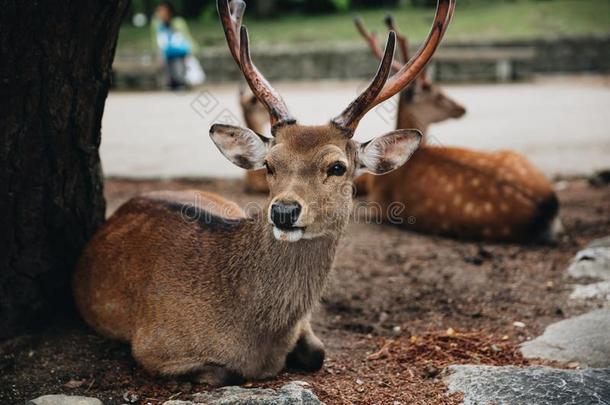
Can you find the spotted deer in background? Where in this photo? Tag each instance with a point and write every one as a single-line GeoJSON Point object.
{"type": "Point", "coordinates": [458, 192]}
{"type": "Point", "coordinates": [200, 288]}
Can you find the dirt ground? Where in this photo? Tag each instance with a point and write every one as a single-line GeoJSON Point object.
{"type": "Point", "coordinates": [401, 307]}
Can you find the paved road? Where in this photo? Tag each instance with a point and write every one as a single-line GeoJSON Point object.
{"type": "Point", "coordinates": [561, 124]}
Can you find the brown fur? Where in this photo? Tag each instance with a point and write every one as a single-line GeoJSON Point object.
{"type": "Point", "coordinates": [458, 192]}
{"type": "Point", "coordinates": [463, 193]}
{"type": "Point", "coordinates": [454, 191]}
{"type": "Point", "coordinates": [198, 288]}
{"type": "Point", "coordinates": [183, 309]}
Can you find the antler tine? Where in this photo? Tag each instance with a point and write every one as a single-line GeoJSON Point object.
{"type": "Point", "coordinates": [261, 88]}
{"type": "Point", "coordinates": [371, 39]}
{"type": "Point", "coordinates": [449, 18]}
{"type": "Point", "coordinates": [238, 7]}
{"type": "Point", "coordinates": [230, 17]}
{"type": "Point", "coordinates": [444, 13]}
{"type": "Point", "coordinates": [231, 14]}
{"type": "Point", "coordinates": [351, 116]}
{"type": "Point", "coordinates": [403, 42]}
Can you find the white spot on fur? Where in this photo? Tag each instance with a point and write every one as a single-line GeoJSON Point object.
{"type": "Point", "coordinates": [287, 236]}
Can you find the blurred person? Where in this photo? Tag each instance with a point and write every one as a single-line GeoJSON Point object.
{"type": "Point", "coordinates": [176, 46]}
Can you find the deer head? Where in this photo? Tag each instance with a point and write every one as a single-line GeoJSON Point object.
{"type": "Point", "coordinates": [310, 168]}
{"type": "Point", "coordinates": [421, 102]}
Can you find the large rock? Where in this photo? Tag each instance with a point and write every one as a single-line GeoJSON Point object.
{"type": "Point", "coordinates": [293, 393]}
{"type": "Point", "coordinates": [584, 339]}
{"type": "Point", "coordinates": [594, 261]}
{"type": "Point", "coordinates": [483, 385]}
{"type": "Point", "coordinates": [64, 400]}
{"type": "Point", "coordinates": [595, 291]}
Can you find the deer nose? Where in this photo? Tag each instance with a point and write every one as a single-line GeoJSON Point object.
{"type": "Point", "coordinates": [284, 214]}
{"type": "Point", "coordinates": [459, 111]}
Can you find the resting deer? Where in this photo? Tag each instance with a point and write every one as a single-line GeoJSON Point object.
{"type": "Point", "coordinates": [224, 296]}
{"type": "Point", "coordinates": [458, 192]}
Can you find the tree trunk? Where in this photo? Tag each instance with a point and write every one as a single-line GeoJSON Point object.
{"type": "Point", "coordinates": [54, 78]}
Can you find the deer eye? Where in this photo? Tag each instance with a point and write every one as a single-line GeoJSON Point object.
{"type": "Point", "coordinates": [337, 169]}
{"type": "Point", "coordinates": [270, 170]}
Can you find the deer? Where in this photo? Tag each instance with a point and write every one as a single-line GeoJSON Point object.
{"type": "Point", "coordinates": [457, 192]}
{"type": "Point", "coordinates": [201, 288]}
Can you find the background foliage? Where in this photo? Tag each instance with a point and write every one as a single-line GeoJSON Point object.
{"type": "Point", "coordinates": [267, 8]}
{"type": "Point", "coordinates": [330, 21]}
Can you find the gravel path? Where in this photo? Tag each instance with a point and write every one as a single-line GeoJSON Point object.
{"type": "Point", "coordinates": [560, 123]}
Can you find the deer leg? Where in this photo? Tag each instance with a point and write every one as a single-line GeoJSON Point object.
{"type": "Point", "coordinates": [308, 353]}
{"type": "Point", "coordinates": [212, 375]}
{"type": "Point", "coordinates": [159, 360]}
{"type": "Point", "coordinates": [217, 376]}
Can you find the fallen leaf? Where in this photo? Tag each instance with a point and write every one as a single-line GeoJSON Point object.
{"type": "Point", "coordinates": [75, 383]}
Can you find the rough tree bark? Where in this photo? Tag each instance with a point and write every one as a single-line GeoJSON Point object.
{"type": "Point", "coordinates": [54, 78]}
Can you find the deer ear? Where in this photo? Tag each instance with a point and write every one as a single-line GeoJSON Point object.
{"type": "Point", "coordinates": [242, 146]}
{"type": "Point", "coordinates": [388, 152]}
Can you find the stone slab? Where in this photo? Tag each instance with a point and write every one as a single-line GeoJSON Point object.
{"type": "Point", "coordinates": [584, 339]}
{"type": "Point", "coordinates": [294, 393]}
{"type": "Point", "coordinates": [64, 400]}
{"type": "Point", "coordinates": [595, 291]}
{"type": "Point", "coordinates": [484, 385]}
{"type": "Point", "coordinates": [591, 262]}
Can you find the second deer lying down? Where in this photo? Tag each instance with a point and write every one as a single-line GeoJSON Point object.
{"type": "Point", "coordinates": [454, 191]}
{"type": "Point", "coordinates": [199, 288]}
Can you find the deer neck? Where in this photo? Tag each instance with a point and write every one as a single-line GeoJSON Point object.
{"type": "Point", "coordinates": [283, 280]}
{"type": "Point", "coordinates": [408, 118]}
{"type": "Point", "coordinates": [253, 123]}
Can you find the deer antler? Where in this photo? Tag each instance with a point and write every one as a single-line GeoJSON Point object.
{"type": "Point", "coordinates": [350, 117]}
{"type": "Point", "coordinates": [371, 39]}
{"type": "Point", "coordinates": [444, 13]}
{"type": "Point", "coordinates": [231, 14]}
{"type": "Point", "coordinates": [407, 73]}
{"type": "Point", "coordinates": [403, 43]}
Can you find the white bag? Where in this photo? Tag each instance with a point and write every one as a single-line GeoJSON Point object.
{"type": "Point", "coordinates": [195, 75]}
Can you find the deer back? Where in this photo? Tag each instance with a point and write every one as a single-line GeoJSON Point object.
{"type": "Point", "coordinates": [468, 194]}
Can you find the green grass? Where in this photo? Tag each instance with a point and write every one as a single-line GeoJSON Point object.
{"type": "Point", "coordinates": [474, 19]}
